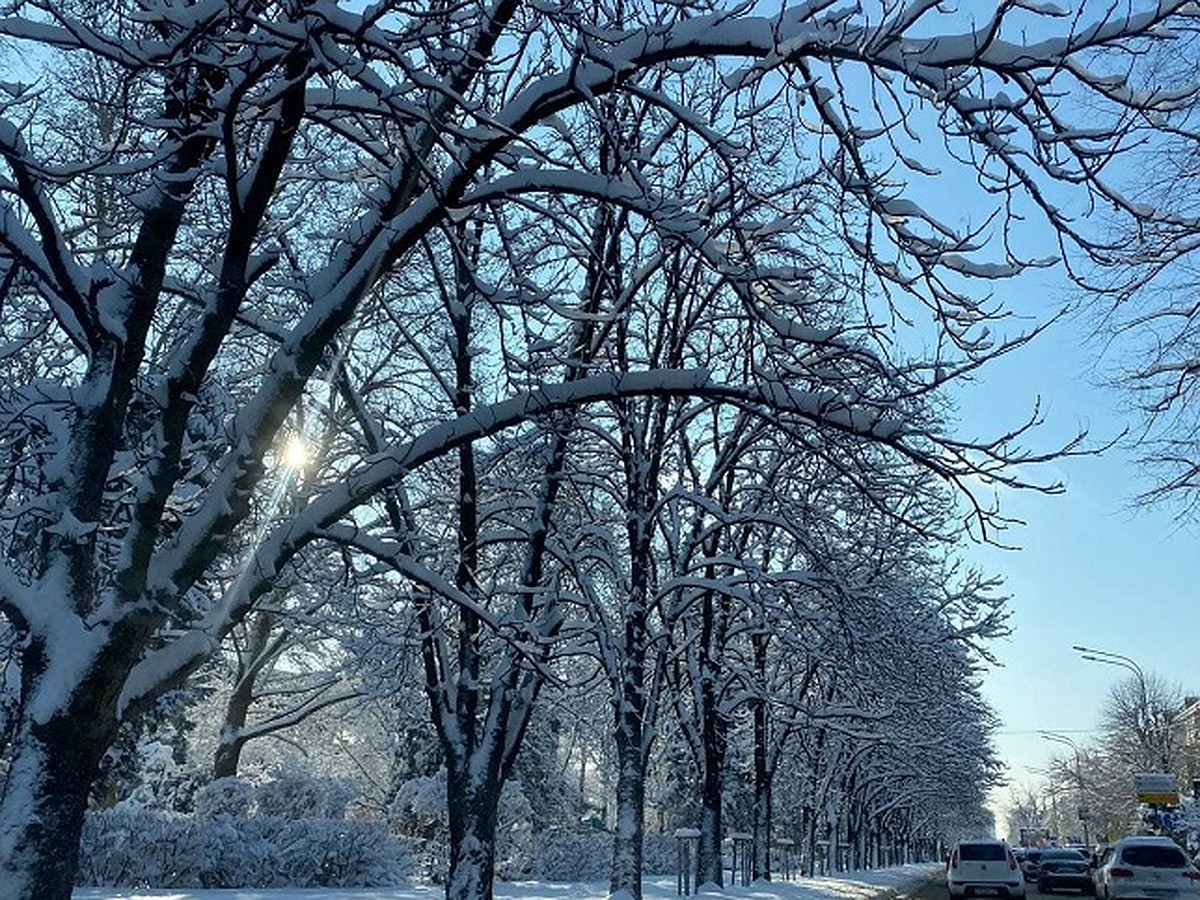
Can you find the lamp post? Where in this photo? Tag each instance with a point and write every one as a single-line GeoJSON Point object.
{"type": "Point", "coordinates": [1148, 730]}
{"type": "Point", "coordinates": [1112, 659]}
{"type": "Point", "coordinates": [1083, 811]}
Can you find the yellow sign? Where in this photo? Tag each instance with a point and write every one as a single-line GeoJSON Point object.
{"type": "Point", "coordinates": [1162, 798]}
{"type": "Point", "coordinates": [1156, 788]}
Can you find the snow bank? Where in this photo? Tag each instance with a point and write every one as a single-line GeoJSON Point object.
{"type": "Point", "coordinates": [851, 886]}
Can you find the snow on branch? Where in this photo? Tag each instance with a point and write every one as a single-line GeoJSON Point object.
{"type": "Point", "coordinates": [48, 256]}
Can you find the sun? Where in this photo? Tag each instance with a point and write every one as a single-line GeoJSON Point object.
{"type": "Point", "coordinates": [295, 453]}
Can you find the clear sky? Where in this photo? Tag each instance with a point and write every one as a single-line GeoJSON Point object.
{"type": "Point", "coordinates": [1091, 570]}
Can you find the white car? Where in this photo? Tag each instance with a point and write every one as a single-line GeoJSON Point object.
{"type": "Point", "coordinates": [1148, 868]}
{"type": "Point", "coordinates": [983, 868]}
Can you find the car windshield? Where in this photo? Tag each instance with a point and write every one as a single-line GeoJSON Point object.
{"type": "Point", "coordinates": [1073, 855]}
{"type": "Point", "coordinates": [1154, 856]}
{"type": "Point", "coordinates": [982, 852]}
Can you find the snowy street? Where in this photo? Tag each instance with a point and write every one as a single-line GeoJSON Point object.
{"type": "Point", "coordinates": [855, 886]}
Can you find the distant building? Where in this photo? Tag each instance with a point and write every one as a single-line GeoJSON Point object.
{"type": "Point", "coordinates": [1185, 735]}
{"type": "Point", "coordinates": [1187, 721]}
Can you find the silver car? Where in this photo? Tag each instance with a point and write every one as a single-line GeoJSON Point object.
{"type": "Point", "coordinates": [1148, 868]}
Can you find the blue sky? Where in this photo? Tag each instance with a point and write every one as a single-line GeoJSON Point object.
{"type": "Point", "coordinates": [1091, 570]}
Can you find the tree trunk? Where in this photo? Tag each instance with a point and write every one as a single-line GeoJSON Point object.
{"type": "Point", "coordinates": [41, 813]}
{"type": "Point", "coordinates": [633, 709]}
{"type": "Point", "coordinates": [631, 737]}
{"type": "Point", "coordinates": [714, 741]}
{"type": "Point", "coordinates": [631, 803]}
{"type": "Point", "coordinates": [808, 841]}
{"type": "Point", "coordinates": [762, 808]}
{"type": "Point", "coordinates": [762, 773]}
{"type": "Point", "coordinates": [480, 730]}
{"type": "Point", "coordinates": [475, 798]}
{"type": "Point", "coordinates": [232, 739]}
{"type": "Point", "coordinates": [55, 758]}
{"type": "Point", "coordinates": [228, 755]}
{"type": "Point", "coordinates": [251, 660]}
{"type": "Point", "coordinates": [834, 830]}
{"type": "Point", "coordinates": [708, 854]}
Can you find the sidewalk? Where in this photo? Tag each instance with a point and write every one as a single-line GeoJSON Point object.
{"type": "Point", "coordinates": [872, 885]}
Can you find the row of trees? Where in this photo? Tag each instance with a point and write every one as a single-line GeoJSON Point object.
{"type": "Point", "coordinates": [840, 765]}
{"type": "Point", "coordinates": [546, 348]}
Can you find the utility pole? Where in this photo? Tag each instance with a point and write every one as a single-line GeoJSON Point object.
{"type": "Point", "coordinates": [1158, 754]}
{"type": "Point", "coordinates": [1084, 813]}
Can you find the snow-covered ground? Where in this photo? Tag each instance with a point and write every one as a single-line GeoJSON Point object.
{"type": "Point", "coordinates": [854, 886]}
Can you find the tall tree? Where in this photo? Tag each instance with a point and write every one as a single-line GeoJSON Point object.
{"type": "Point", "coordinates": [1148, 315]}
{"type": "Point", "coordinates": [268, 177]}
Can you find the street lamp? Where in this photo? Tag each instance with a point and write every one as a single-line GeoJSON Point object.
{"type": "Point", "coordinates": [1147, 728]}
{"type": "Point", "coordinates": [1083, 811]}
{"type": "Point", "coordinates": [1112, 659]}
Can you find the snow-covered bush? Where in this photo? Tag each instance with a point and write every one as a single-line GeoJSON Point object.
{"type": "Point", "coordinates": [287, 797]}
{"type": "Point", "coordinates": [224, 797]}
{"type": "Point", "coordinates": [225, 852]}
{"type": "Point", "coordinates": [332, 853]}
{"type": "Point", "coordinates": [660, 854]}
{"type": "Point", "coordinates": [572, 856]}
{"type": "Point", "coordinates": [419, 808]}
{"type": "Point", "coordinates": [515, 840]}
{"type": "Point", "coordinates": [299, 797]}
{"type": "Point", "coordinates": [560, 855]}
{"type": "Point", "coordinates": [143, 848]}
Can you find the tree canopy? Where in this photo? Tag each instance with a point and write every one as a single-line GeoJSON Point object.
{"type": "Point", "coordinates": [528, 280]}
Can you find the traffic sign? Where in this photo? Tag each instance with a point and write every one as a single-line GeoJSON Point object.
{"type": "Point", "coordinates": [1156, 788]}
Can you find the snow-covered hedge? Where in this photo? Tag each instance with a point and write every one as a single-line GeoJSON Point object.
{"type": "Point", "coordinates": [283, 797]}
{"type": "Point", "coordinates": [130, 848]}
{"type": "Point", "coordinates": [419, 811]}
{"type": "Point", "coordinates": [587, 856]}
{"type": "Point", "coordinates": [293, 797]}
{"type": "Point", "coordinates": [223, 798]}
{"type": "Point", "coordinates": [143, 848]}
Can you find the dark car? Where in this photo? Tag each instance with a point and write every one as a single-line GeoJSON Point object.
{"type": "Point", "coordinates": [1029, 864]}
{"type": "Point", "coordinates": [1062, 867]}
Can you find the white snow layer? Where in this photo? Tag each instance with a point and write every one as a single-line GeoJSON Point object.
{"type": "Point", "coordinates": [849, 886]}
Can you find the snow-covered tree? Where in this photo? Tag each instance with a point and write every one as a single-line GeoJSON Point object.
{"type": "Point", "coordinates": [265, 208]}
{"type": "Point", "coordinates": [286, 667]}
{"type": "Point", "coordinates": [1136, 723]}
{"type": "Point", "coordinates": [1147, 314]}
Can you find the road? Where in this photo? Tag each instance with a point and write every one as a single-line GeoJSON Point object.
{"type": "Point", "coordinates": [935, 889]}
